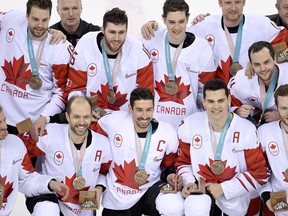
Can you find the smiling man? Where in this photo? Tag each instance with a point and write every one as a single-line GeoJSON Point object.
{"type": "Point", "coordinates": [252, 98]}
{"type": "Point", "coordinates": [182, 63]}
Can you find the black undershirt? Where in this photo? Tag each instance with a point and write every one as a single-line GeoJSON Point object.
{"type": "Point", "coordinates": [89, 140]}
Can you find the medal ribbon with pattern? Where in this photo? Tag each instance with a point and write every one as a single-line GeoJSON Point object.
{"type": "Point", "coordinates": [79, 182]}
{"type": "Point", "coordinates": [111, 78]}
{"type": "Point", "coordinates": [265, 97]}
{"type": "Point", "coordinates": [35, 82]}
{"type": "Point", "coordinates": [217, 167]}
{"type": "Point", "coordinates": [141, 175]}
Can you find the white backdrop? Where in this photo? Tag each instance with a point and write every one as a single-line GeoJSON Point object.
{"type": "Point", "coordinates": [138, 11]}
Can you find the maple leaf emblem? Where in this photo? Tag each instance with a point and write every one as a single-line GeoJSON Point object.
{"type": "Point", "coordinates": [223, 71]}
{"type": "Point", "coordinates": [102, 100]}
{"type": "Point", "coordinates": [92, 67]}
{"type": "Point", "coordinates": [273, 146]}
{"type": "Point", "coordinates": [209, 39]}
{"type": "Point", "coordinates": [16, 72]}
{"type": "Point", "coordinates": [10, 33]}
{"type": "Point", "coordinates": [125, 175]}
{"type": "Point", "coordinates": [183, 91]}
{"type": "Point", "coordinates": [8, 188]}
{"type": "Point", "coordinates": [73, 194]}
{"type": "Point", "coordinates": [154, 53]}
{"type": "Point", "coordinates": [197, 139]}
{"type": "Point", "coordinates": [207, 174]}
{"type": "Point", "coordinates": [59, 156]}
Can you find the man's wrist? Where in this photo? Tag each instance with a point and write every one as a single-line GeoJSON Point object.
{"type": "Point", "coordinates": [47, 118]}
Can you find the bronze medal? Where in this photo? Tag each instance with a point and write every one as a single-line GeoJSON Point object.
{"type": "Point", "coordinates": [1, 193]}
{"type": "Point", "coordinates": [35, 82]}
{"type": "Point", "coordinates": [141, 177]}
{"type": "Point", "coordinates": [171, 88]}
{"type": "Point", "coordinates": [111, 97]}
{"type": "Point", "coordinates": [234, 68]}
{"type": "Point", "coordinates": [217, 167]}
{"type": "Point", "coordinates": [79, 183]}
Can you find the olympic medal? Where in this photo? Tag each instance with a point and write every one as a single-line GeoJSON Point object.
{"type": "Point", "coordinates": [217, 167]}
{"type": "Point", "coordinates": [79, 183]}
{"type": "Point", "coordinates": [171, 88]}
{"type": "Point", "coordinates": [111, 97]}
{"type": "Point", "coordinates": [1, 193]}
{"type": "Point", "coordinates": [141, 177]}
{"type": "Point", "coordinates": [35, 82]}
{"type": "Point", "coordinates": [234, 68]}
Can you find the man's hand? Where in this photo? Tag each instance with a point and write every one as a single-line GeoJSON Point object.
{"type": "Point", "coordinates": [57, 36]}
{"type": "Point", "coordinates": [215, 189]}
{"type": "Point", "coordinates": [244, 110]}
{"type": "Point", "coordinates": [249, 72]}
{"type": "Point", "coordinates": [39, 127]}
{"type": "Point", "coordinates": [147, 30]}
{"type": "Point", "coordinates": [187, 187]}
{"type": "Point", "coordinates": [60, 188]}
{"type": "Point", "coordinates": [99, 191]}
{"type": "Point", "coordinates": [199, 18]}
{"type": "Point", "coordinates": [270, 116]}
{"type": "Point", "coordinates": [171, 178]}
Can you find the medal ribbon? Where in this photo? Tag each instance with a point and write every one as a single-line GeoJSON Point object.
{"type": "Point", "coordinates": [78, 160]}
{"type": "Point", "coordinates": [171, 67]}
{"type": "Point", "coordinates": [221, 139]}
{"type": "Point", "coordinates": [111, 78]}
{"type": "Point", "coordinates": [235, 51]}
{"type": "Point", "coordinates": [265, 98]}
{"type": "Point", "coordinates": [35, 63]}
{"type": "Point", "coordinates": [285, 139]}
{"type": "Point", "coordinates": [146, 148]}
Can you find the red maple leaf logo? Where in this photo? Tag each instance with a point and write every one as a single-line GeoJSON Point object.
{"type": "Point", "coordinates": [10, 33]}
{"type": "Point", "coordinates": [210, 39]}
{"type": "Point", "coordinates": [223, 71]}
{"type": "Point", "coordinates": [118, 138]}
{"type": "Point", "coordinates": [210, 177]}
{"type": "Point", "coordinates": [73, 194]}
{"type": "Point", "coordinates": [273, 146]}
{"type": "Point", "coordinates": [183, 91]}
{"type": "Point", "coordinates": [197, 139]}
{"type": "Point", "coordinates": [92, 67]}
{"type": "Point", "coordinates": [102, 100]}
{"type": "Point", "coordinates": [154, 53]}
{"type": "Point", "coordinates": [16, 72]}
{"type": "Point", "coordinates": [125, 175]}
{"type": "Point", "coordinates": [8, 188]}
{"type": "Point", "coordinates": [59, 156]}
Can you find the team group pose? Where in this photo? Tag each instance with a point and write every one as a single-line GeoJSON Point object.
{"type": "Point", "coordinates": [186, 120]}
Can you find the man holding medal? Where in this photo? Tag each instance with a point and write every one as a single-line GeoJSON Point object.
{"type": "Point", "coordinates": [33, 72]}
{"type": "Point", "coordinates": [182, 63]}
{"type": "Point", "coordinates": [109, 64]}
{"type": "Point", "coordinates": [18, 174]}
{"type": "Point", "coordinates": [253, 98]}
{"type": "Point", "coordinates": [231, 34]}
{"type": "Point", "coordinates": [143, 152]}
{"type": "Point", "coordinates": [274, 140]}
{"type": "Point", "coordinates": [76, 156]}
{"type": "Point", "coordinates": [222, 148]}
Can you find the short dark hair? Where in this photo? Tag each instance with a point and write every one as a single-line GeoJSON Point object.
{"type": "Point", "coordinates": [42, 4]}
{"type": "Point", "coordinates": [141, 94]}
{"type": "Point", "coordinates": [175, 5]}
{"type": "Point", "coordinates": [77, 98]}
{"type": "Point", "coordinates": [214, 85]}
{"type": "Point", "coordinates": [281, 91]}
{"type": "Point", "coordinates": [257, 46]}
{"type": "Point", "coordinates": [115, 16]}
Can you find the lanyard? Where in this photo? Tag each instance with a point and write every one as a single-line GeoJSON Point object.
{"type": "Point", "coordinates": [235, 51]}
{"type": "Point", "coordinates": [221, 139]}
{"type": "Point", "coordinates": [35, 62]}
{"type": "Point", "coordinates": [111, 78]}
{"type": "Point", "coordinates": [146, 148]}
{"type": "Point", "coordinates": [171, 67]}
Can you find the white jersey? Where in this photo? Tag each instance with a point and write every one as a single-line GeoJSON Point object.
{"type": "Point", "coordinates": [17, 173]}
{"type": "Point", "coordinates": [194, 67]}
{"type": "Point", "coordinates": [270, 136]}
{"type": "Point", "coordinates": [242, 156]}
{"type": "Point", "coordinates": [87, 72]}
{"type": "Point", "coordinates": [245, 91]}
{"type": "Point", "coordinates": [122, 191]}
{"type": "Point", "coordinates": [16, 95]}
{"type": "Point", "coordinates": [255, 28]}
{"type": "Point", "coordinates": [58, 162]}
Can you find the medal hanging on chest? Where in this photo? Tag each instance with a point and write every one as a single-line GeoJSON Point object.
{"type": "Point", "coordinates": [171, 88]}
{"type": "Point", "coordinates": [1, 193]}
{"type": "Point", "coordinates": [35, 82]}
{"type": "Point", "coordinates": [217, 167]}
{"type": "Point", "coordinates": [141, 177]}
{"type": "Point", "coordinates": [111, 96]}
{"type": "Point", "coordinates": [234, 68]}
{"type": "Point", "coordinates": [79, 183]}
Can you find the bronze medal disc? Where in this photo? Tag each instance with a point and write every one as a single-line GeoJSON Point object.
{"type": "Point", "coordinates": [111, 97]}
{"type": "Point", "coordinates": [141, 177]}
{"type": "Point", "coordinates": [35, 82]}
{"type": "Point", "coordinates": [234, 68]}
{"type": "Point", "coordinates": [217, 167]}
{"type": "Point", "coordinates": [79, 183]}
{"type": "Point", "coordinates": [1, 193]}
{"type": "Point", "coordinates": [171, 88]}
